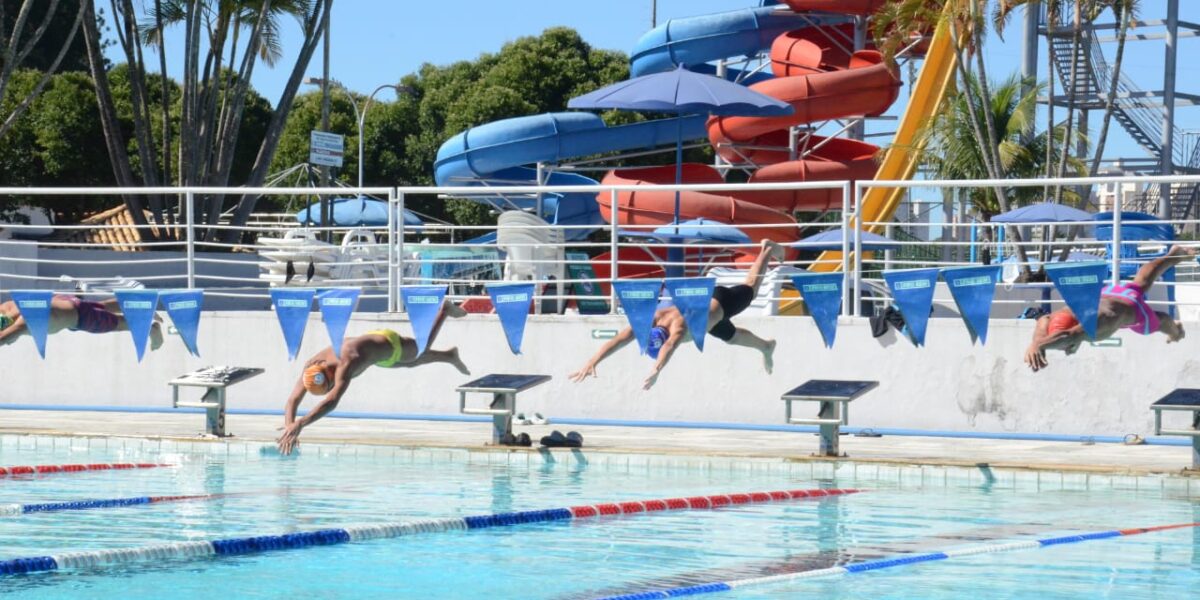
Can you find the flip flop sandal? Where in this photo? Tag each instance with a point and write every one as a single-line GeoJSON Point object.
{"type": "Point", "coordinates": [521, 419]}
{"type": "Point", "coordinates": [538, 419]}
{"type": "Point", "coordinates": [1133, 439]}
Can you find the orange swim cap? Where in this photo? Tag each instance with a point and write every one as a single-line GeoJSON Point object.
{"type": "Point", "coordinates": [318, 378]}
{"type": "Point", "coordinates": [1062, 320]}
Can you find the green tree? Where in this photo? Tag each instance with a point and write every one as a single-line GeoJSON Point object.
{"type": "Point", "coordinates": [952, 152]}
{"type": "Point", "coordinates": [529, 75]}
{"type": "Point", "coordinates": [24, 44]}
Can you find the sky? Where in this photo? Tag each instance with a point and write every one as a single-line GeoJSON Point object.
{"type": "Point", "coordinates": [378, 41]}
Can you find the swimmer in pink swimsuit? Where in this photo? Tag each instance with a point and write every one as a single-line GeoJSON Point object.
{"type": "Point", "coordinates": [1121, 306]}
{"type": "Point", "coordinates": [73, 313]}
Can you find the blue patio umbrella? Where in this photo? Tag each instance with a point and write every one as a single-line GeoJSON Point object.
{"type": "Point", "coordinates": [831, 239]}
{"type": "Point", "coordinates": [360, 211]}
{"type": "Point", "coordinates": [699, 230]}
{"type": "Point", "coordinates": [682, 92]}
{"type": "Point", "coordinates": [1043, 212]}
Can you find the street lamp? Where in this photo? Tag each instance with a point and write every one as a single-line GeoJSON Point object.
{"type": "Point", "coordinates": [360, 115]}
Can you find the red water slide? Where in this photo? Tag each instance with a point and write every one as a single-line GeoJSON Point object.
{"type": "Point", "coordinates": [822, 81]}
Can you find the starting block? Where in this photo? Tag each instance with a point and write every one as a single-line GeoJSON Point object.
{"type": "Point", "coordinates": [504, 390]}
{"type": "Point", "coordinates": [1185, 400]}
{"type": "Point", "coordinates": [834, 411]}
{"type": "Point", "coordinates": [215, 380]}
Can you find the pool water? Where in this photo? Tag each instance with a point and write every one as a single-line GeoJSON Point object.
{"type": "Point", "coordinates": [339, 486]}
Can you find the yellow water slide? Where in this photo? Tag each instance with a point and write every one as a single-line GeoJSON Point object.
{"type": "Point", "coordinates": [900, 159]}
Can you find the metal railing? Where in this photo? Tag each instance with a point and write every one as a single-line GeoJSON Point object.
{"type": "Point", "coordinates": [397, 258]}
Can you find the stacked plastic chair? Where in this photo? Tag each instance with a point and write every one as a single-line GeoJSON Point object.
{"type": "Point", "coordinates": [534, 250]}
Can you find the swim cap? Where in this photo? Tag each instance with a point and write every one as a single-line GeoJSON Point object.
{"type": "Point", "coordinates": [1062, 320]}
{"type": "Point", "coordinates": [318, 378]}
{"type": "Point", "coordinates": [658, 337]}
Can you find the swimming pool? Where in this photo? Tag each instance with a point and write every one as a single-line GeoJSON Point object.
{"type": "Point", "coordinates": [902, 511]}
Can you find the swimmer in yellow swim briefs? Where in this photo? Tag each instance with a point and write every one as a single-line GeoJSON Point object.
{"type": "Point", "coordinates": [325, 374]}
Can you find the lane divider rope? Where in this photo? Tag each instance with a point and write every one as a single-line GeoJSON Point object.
{"type": "Point", "coordinates": [12, 510]}
{"type": "Point", "coordinates": [327, 537]}
{"type": "Point", "coordinates": [887, 563]}
{"type": "Point", "coordinates": [18, 471]}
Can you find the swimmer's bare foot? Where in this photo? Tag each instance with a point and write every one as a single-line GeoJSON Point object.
{"type": "Point", "coordinates": [769, 357]}
{"type": "Point", "coordinates": [1182, 251]}
{"type": "Point", "coordinates": [772, 248]}
{"type": "Point", "coordinates": [456, 361]}
{"type": "Point", "coordinates": [156, 335]}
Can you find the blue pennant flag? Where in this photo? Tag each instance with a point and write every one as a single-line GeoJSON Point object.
{"type": "Point", "coordinates": [512, 302]}
{"type": "Point", "coordinates": [184, 309]}
{"type": "Point", "coordinates": [822, 293]}
{"type": "Point", "coordinates": [336, 308]}
{"type": "Point", "coordinates": [292, 307]}
{"type": "Point", "coordinates": [35, 309]}
{"type": "Point", "coordinates": [423, 304]}
{"type": "Point", "coordinates": [973, 289]}
{"type": "Point", "coordinates": [639, 298]}
{"type": "Point", "coordinates": [1080, 284]}
{"type": "Point", "coordinates": [692, 296]}
{"type": "Point", "coordinates": [139, 307]}
{"type": "Point", "coordinates": [912, 291]}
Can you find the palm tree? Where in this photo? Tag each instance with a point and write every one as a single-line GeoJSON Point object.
{"type": "Point", "coordinates": [951, 151]}
{"type": "Point", "coordinates": [223, 42]}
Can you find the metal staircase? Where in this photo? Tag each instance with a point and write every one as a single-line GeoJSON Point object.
{"type": "Point", "coordinates": [1133, 109]}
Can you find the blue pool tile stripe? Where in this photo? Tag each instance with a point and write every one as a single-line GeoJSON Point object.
{"type": "Point", "coordinates": [896, 561]}
{"type": "Point", "coordinates": [335, 536]}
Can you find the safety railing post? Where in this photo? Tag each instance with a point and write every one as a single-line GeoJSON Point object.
{"type": "Point", "coordinates": [858, 228]}
{"type": "Point", "coordinates": [189, 204]}
{"type": "Point", "coordinates": [391, 250]}
{"type": "Point", "coordinates": [398, 282]}
{"type": "Point", "coordinates": [1116, 239]}
{"type": "Point", "coordinates": [845, 249]}
{"type": "Point", "coordinates": [613, 249]}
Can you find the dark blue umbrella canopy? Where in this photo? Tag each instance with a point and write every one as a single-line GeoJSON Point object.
{"type": "Point", "coordinates": [831, 239]}
{"type": "Point", "coordinates": [1043, 212]}
{"type": "Point", "coordinates": [683, 92]}
{"type": "Point", "coordinates": [350, 212]}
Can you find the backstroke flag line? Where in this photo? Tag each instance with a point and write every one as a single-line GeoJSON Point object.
{"type": "Point", "coordinates": [138, 307]}
{"type": "Point", "coordinates": [973, 289]}
{"type": "Point", "coordinates": [337, 306]}
{"type": "Point", "coordinates": [1079, 284]}
{"type": "Point", "coordinates": [639, 298]}
{"type": "Point", "coordinates": [292, 307]}
{"type": "Point", "coordinates": [912, 291]}
{"type": "Point", "coordinates": [184, 307]}
{"type": "Point", "coordinates": [692, 296]}
{"type": "Point", "coordinates": [423, 304]}
{"type": "Point", "coordinates": [35, 309]}
{"type": "Point", "coordinates": [822, 294]}
{"type": "Point", "coordinates": [512, 302]}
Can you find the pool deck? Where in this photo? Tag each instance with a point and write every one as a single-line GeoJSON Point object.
{"type": "Point", "coordinates": [1006, 454]}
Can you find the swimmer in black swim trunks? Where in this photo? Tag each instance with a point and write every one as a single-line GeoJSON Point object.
{"type": "Point", "coordinates": [670, 329]}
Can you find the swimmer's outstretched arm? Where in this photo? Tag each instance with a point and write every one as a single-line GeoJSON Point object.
{"type": "Point", "coordinates": [1043, 340]}
{"type": "Point", "coordinates": [293, 426]}
{"type": "Point", "coordinates": [618, 342]}
{"type": "Point", "coordinates": [664, 355]}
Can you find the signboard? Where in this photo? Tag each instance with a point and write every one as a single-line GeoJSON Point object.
{"type": "Point", "coordinates": [326, 149]}
{"type": "Point", "coordinates": [580, 267]}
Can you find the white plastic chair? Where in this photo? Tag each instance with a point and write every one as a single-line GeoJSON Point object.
{"type": "Point", "coordinates": [533, 250]}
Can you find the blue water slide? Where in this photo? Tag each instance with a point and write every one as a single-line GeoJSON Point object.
{"type": "Point", "coordinates": [693, 41]}
{"type": "Point", "coordinates": [495, 155]}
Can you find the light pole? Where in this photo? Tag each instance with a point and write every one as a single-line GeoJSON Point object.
{"type": "Point", "coordinates": [360, 116]}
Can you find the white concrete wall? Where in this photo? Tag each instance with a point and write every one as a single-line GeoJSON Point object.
{"type": "Point", "coordinates": [947, 385]}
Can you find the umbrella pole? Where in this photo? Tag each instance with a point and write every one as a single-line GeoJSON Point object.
{"type": "Point", "coordinates": [675, 255]}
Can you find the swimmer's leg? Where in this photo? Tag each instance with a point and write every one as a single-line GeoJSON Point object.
{"type": "Point", "coordinates": [449, 357]}
{"type": "Point", "coordinates": [766, 250]}
{"type": "Point", "coordinates": [747, 339]}
{"type": "Point", "coordinates": [1151, 271]}
{"type": "Point", "coordinates": [449, 309]}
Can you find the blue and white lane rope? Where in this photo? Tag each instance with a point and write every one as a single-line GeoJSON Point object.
{"type": "Point", "coordinates": [328, 537]}
{"type": "Point", "coordinates": [12, 510]}
{"type": "Point", "coordinates": [887, 563]}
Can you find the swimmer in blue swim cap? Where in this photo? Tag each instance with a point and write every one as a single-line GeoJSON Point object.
{"type": "Point", "coordinates": [670, 329]}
